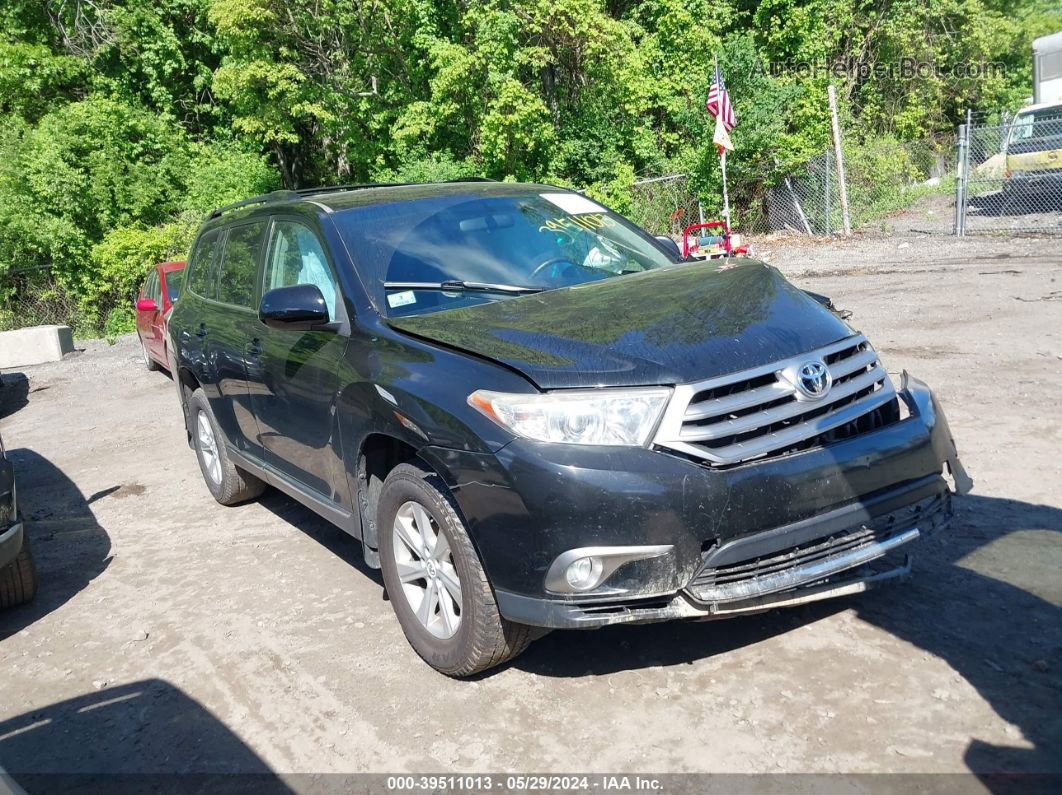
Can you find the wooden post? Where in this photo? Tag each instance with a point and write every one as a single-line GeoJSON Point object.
{"type": "Point", "coordinates": [841, 179]}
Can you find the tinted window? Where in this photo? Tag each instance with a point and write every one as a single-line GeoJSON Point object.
{"type": "Point", "coordinates": [239, 264]}
{"type": "Point", "coordinates": [201, 281]}
{"type": "Point", "coordinates": [532, 240]}
{"type": "Point", "coordinates": [296, 257]}
{"type": "Point", "coordinates": [173, 284]}
{"type": "Point", "coordinates": [151, 286]}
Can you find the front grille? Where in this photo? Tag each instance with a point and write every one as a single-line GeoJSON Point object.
{"type": "Point", "coordinates": [761, 413]}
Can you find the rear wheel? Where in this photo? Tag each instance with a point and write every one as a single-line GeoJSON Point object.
{"type": "Point", "coordinates": [18, 579]}
{"type": "Point", "coordinates": [435, 580]}
{"type": "Point", "coordinates": [227, 482]}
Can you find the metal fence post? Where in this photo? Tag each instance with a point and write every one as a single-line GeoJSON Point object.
{"type": "Point", "coordinates": [960, 182]}
{"type": "Point", "coordinates": [829, 222]}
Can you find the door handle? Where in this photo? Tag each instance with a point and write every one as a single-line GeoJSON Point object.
{"type": "Point", "coordinates": [255, 348]}
{"type": "Point", "coordinates": [201, 331]}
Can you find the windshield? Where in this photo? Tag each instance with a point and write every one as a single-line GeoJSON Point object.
{"type": "Point", "coordinates": [448, 252]}
{"type": "Point", "coordinates": [1042, 123]}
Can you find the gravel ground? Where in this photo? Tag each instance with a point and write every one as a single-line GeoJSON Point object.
{"type": "Point", "coordinates": [171, 634]}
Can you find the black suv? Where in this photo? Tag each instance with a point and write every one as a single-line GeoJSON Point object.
{"type": "Point", "coordinates": [534, 415]}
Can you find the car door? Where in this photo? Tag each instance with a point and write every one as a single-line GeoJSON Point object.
{"type": "Point", "coordinates": [294, 399]}
{"type": "Point", "coordinates": [155, 322]}
{"type": "Point", "coordinates": [144, 316]}
{"type": "Point", "coordinates": [227, 327]}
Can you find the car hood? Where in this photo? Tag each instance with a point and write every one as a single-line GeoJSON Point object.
{"type": "Point", "coordinates": [675, 325]}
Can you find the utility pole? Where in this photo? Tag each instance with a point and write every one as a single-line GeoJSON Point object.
{"type": "Point", "coordinates": [841, 179]}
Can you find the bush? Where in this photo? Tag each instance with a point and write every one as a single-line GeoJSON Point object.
{"type": "Point", "coordinates": [120, 320]}
{"type": "Point", "coordinates": [120, 262]}
{"type": "Point", "coordinates": [220, 174]}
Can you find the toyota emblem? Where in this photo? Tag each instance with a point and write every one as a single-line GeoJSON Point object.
{"type": "Point", "coordinates": [814, 379]}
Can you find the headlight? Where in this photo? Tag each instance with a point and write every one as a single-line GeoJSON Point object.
{"type": "Point", "coordinates": [617, 417]}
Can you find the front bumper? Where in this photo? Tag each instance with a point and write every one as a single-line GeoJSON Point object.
{"type": "Point", "coordinates": [1049, 178]}
{"type": "Point", "coordinates": [530, 502]}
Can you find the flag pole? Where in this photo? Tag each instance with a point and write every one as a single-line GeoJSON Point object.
{"type": "Point", "coordinates": [722, 162]}
{"type": "Point", "coordinates": [726, 198]}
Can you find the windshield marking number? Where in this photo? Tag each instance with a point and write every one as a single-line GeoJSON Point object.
{"type": "Point", "coordinates": [589, 222]}
{"type": "Point", "coordinates": [403, 298]}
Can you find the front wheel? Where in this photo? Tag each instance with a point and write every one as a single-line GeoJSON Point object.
{"type": "Point", "coordinates": [435, 580]}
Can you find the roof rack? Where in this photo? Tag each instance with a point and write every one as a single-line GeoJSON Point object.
{"type": "Point", "coordinates": [300, 193]}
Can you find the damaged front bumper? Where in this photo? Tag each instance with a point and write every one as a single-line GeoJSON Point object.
{"type": "Point", "coordinates": [812, 525]}
{"type": "Point", "coordinates": [839, 565]}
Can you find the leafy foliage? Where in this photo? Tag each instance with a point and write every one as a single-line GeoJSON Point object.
{"type": "Point", "coordinates": [124, 120]}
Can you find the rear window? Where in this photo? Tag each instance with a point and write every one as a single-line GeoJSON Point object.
{"type": "Point", "coordinates": [239, 264]}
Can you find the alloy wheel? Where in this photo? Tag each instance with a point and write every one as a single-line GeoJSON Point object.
{"type": "Point", "coordinates": [208, 447]}
{"type": "Point", "coordinates": [425, 565]}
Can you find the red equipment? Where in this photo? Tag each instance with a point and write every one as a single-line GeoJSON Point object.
{"type": "Point", "coordinates": [726, 249]}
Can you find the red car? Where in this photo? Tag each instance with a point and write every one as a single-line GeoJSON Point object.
{"type": "Point", "coordinates": [153, 305]}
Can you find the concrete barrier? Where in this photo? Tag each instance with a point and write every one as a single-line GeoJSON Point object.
{"type": "Point", "coordinates": [34, 345]}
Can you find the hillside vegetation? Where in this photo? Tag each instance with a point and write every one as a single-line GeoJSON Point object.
{"type": "Point", "coordinates": [125, 120]}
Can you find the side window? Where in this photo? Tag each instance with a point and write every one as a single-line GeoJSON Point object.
{"type": "Point", "coordinates": [239, 264]}
{"type": "Point", "coordinates": [297, 257]}
{"type": "Point", "coordinates": [156, 288]}
{"type": "Point", "coordinates": [148, 291]}
{"type": "Point", "coordinates": [173, 284]}
{"type": "Point", "coordinates": [201, 279]}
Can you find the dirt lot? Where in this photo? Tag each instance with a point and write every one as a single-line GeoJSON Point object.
{"type": "Point", "coordinates": [174, 635]}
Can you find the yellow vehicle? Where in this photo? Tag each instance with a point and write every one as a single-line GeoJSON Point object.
{"type": "Point", "coordinates": [1034, 149]}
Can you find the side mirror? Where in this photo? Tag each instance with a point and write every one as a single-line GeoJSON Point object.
{"type": "Point", "coordinates": [671, 246]}
{"type": "Point", "coordinates": [146, 305]}
{"type": "Point", "coordinates": [300, 306]}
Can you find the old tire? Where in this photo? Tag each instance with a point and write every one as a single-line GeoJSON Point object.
{"type": "Point", "coordinates": [227, 482]}
{"type": "Point", "coordinates": [18, 579]}
{"type": "Point", "coordinates": [482, 638]}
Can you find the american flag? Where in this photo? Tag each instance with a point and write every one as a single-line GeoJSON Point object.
{"type": "Point", "coordinates": [718, 102]}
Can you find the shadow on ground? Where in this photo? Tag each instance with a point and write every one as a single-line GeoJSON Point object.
{"type": "Point", "coordinates": [70, 547]}
{"type": "Point", "coordinates": [146, 736]}
{"type": "Point", "coordinates": [338, 542]}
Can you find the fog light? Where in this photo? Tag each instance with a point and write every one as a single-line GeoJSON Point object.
{"type": "Point", "coordinates": [582, 573]}
{"type": "Point", "coordinates": [587, 568]}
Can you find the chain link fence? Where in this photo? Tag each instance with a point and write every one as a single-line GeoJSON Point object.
{"type": "Point", "coordinates": [1011, 175]}
{"type": "Point", "coordinates": [882, 178]}
{"type": "Point", "coordinates": [35, 299]}
{"type": "Point", "coordinates": [664, 205]}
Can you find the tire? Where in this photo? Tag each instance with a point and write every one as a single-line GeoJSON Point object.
{"type": "Point", "coordinates": [18, 579]}
{"type": "Point", "coordinates": [149, 363]}
{"type": "Point", "coordinates": [227, 482]}
{"type": "Point", "coordinates": [483, 638]}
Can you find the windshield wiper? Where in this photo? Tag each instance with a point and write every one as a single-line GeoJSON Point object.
{"type": "Point", "coordinates": [460, 286]}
